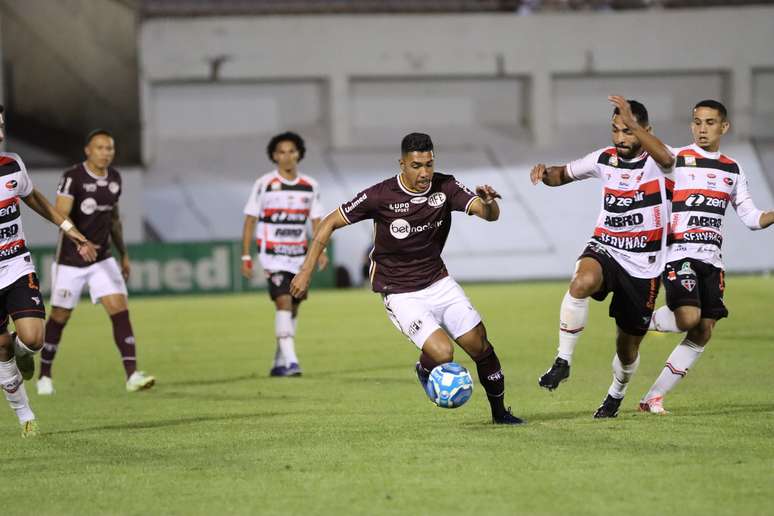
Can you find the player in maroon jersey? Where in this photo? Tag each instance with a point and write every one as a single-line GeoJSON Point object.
{"type": "Point", "coordinates": [89, 193]}
{"type": "Point", "coordinates": [412, 214]}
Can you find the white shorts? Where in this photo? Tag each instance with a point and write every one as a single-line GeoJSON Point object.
{"type": "Point", "coordinates": [104, 278]}
{"type": "Point", "coordinates": [441, 305]}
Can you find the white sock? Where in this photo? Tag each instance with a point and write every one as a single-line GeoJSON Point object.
{"type": "Point", "coordinates": [572, 319]}
{"type": "Point", "coordinates": [12, 384]}
{"type": "Point", "coordinates": [20, 349]}
{"type": "Point", "coordinates": [621, 376]}
{"type": "Point", "coordinates": [283, 325]}
{"type": "Point", "coordinates": [677, 365]}
{"type": "Point", "coordinates": [279, 358]}
{"type": "Point", "coordinates": [663, 320]}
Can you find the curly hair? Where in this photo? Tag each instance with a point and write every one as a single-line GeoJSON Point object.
{"type": "Point", "coordinates": [287, 136]}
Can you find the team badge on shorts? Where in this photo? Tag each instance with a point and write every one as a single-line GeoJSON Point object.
{"type": "Point", "coordinates": [277, 279]}
{"type": "Point", "coordinates": [415, 327]}
{"type": "Point", "coordinates": [689, 284]}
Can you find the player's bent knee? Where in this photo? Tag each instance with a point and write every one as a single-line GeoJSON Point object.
{"type": "Point", "coordinates": [583, 285]}
{"type": "Point", "coordinates": [687, 319]}
{"type": "Point", "coordinates": [60, 315]}
{"type": "Point", "coordinates": [438, 347]}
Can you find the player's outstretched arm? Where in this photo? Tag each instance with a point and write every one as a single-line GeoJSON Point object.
{"type": "Point", "coordinates": [322, 261]}
{"type": "Point", "coordinates": [767, 219]}
{"type": "Point", "coordinates": [248, 230]}
{"type": "Point", "coordinates": [333, 221]}
{"type": "Point", "coordinates": [117, 236]}
{"type": "Point", "coordinates": [486, 206]}
{"type": "Point", "coordinates": [550, 176]}
{"type": "Point", "coordinates": [650, 143]}
{"type": "Point", "coordinates": [38, 202]}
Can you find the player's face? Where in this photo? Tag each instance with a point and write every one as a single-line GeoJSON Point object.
{"type": "Point", "coordinates": [417, 169]}
{"type": "Point", "coordinates": [627, 145]}
{"type": "Point", "coordinates": [708, 128]}
{"type": "Point", "coordinates": [286, 155]}
{"type": "Point", "coordinates": [100, 151]}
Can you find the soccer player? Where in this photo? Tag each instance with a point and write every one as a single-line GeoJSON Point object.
{"type": "Point", "coordinates": [625, 254]}
{"type": "Point", "coordinates": [706, 182]}
{"type": "Point", "coordinates": [89, 193]}
{"type": "Point", "coordinates": [412, 218]}
{"type": "Point", "coordinates": [20, 296]}
{"type": "Point", "coordinates": [281, 202]}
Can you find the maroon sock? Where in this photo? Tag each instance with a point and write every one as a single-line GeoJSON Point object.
{"type": "Point", "coordinates": [50, 345]}
{"type": "Point", "coordinates": [124, 337]}
{"type": "Point", "coordinates": [492, 380]}
{"type": "Point", "coordinates": [427, 363]}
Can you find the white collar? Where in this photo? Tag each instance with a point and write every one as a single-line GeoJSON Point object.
{"type": "Point", "coordinates": [92, 174]}
{"type": "Point", "coordinates": [706, 154]}
{"type": "Point", "coordinates": [406, 190]}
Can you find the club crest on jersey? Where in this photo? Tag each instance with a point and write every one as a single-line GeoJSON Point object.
{"type": "Point", "coordinates": [688, 284]}
{"type": "Point", "coordinates": [276, 185]}
{"type": "Point", "coordinates": [418, 200]}
{"type": "Point", "coordinates": [613, 160]}
{"type": "Point", "coordinates": [686, 270]}
{"type": "Point", "coordinates": [113, 187]}
{"type": "Point", "coordinates": [436, 199]}
{"type": "Point", "coordinates": [690, 161]}
{"type": "Point", "coordinates": [11, 184]}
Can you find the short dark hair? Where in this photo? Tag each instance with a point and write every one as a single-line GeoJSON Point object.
{"type": "Point", "coordinates": [2, 108]}
{"type": "Point", "coordinates": [287, 136]}
{"type": "Point", "coordinates": [97, 132]}
{"type": "Point", "coordinates": [638, 110]}
{"type": "Point", "coordinates": [713, 104]}
{"type": "Point", "coordinates": [416, 142]}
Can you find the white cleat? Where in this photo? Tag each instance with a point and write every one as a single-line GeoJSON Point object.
{"type": "Point", "coordinates": [139, 381]}
{"type": "Point", "coordinates": [654, 405]}
{"type": "Point", "coordinates": [45, 386]}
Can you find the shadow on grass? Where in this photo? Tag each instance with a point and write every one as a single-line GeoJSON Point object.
{"type": "Point", "coordinates": [212, 381]}
{"type": "Point", "coordinates": [164, 423]}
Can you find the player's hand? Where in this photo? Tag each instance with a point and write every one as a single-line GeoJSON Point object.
{"type": "Point", "coordinates": [487, 194]}
{"type": "Point", "coordinates": [300, 284]}
{"type": "Point", "coordinates": [322, 262]}
{"type": "Point", "coordinates": [624, 110]}
{"type": "Point", "coordinates": [538, 173]}
{"type": "Point", "coordinates": [247, 269]}
{"type": "Point", "coordinates": [126, 267]}
{"type": "Point", "coordinates": [87, 250]}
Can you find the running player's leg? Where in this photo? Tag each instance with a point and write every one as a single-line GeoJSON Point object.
{"type": "Point", "coordinates": [12, 384]}
{"type": "Point", "coordinates": [632, 307]}
{"type": "Point", "coordinates": [24, 303]}
{"type": "Point", "coordinates": [708, 291]}
{"type": "Point", "coordinates": [683, 309]}
{"type": "Point", "coordinates": [587, 281]}
{"type": "Point", "coordinates": [286, 361]}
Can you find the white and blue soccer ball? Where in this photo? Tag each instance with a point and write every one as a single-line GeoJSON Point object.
{"type": "Point", "coordinates": [449, 385]}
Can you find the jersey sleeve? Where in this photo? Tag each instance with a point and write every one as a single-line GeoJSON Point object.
{"type": "Point", "coordinates": [585, 167]}
{"type": "Point", "coordinates": [742, 202]}
{"type": "Point", "coordinates": [459, 196]}
{"type": "Point", "coordinates": [24, 188]}
{"type": "Point", "coordinates": [65, 186]}
{"type": "Point", "coordinates": [253, 204]}
{"type": "Point", "coordinates": [316, 211]}
{"type": "Point", "coordinates": [363, 206]}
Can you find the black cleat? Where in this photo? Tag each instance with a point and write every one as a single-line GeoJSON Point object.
{"type": "Point", "coordinates": [609, 408]}
{"type": "Point", "coordinates": [507, 418]}
{"type": "Point", "coordinates": [558, 373]}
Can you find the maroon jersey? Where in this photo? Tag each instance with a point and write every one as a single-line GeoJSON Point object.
{"type": "Point", "coordinates": [94, 198]}
{"type": "Point", "coordinates": [410, 230]}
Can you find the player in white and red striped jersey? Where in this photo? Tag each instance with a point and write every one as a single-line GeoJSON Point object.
{"type": "Point", "coordinates": [20, 297]}
{"type": "Point", "coordinates": [625, 254]}
{"type": "Point", "coordinates": [706, 183]}
{"type": "Point", "coordinates": [281, 203]}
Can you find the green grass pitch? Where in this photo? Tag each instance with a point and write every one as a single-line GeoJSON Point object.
{"type": "Point", "coordinates": [355, 434]}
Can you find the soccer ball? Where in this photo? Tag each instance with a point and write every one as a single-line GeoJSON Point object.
{"type": "Point", "coordinates": [449, 385]}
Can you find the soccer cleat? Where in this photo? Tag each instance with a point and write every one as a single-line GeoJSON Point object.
{"type": "Point", "coordinates": [45, 386]}
{"type": "Point", "coordinates": [293, 370]}
{"type": "Point", "coordinates": [423, 376]}
{"type": "Point", "coordinates": [26, 365]}
{"type": "Point", "coordinates": [30, 429]}
{"type": "Point", "coordinates": [609, 408]}
{"type": "Point", "coordinates": [278, 371]}
{"type": "Point", "coordinates": [139, 381]}
{"type": "Point", "coordinates": [654, 405]}
{"type": "Point", "coordinates": [558, 373]}
{"type": "Point", "coordinates": [507, 418]}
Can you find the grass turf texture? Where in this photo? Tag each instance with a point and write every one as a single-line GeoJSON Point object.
{"type": "Point", "coordinates": [355, 434]}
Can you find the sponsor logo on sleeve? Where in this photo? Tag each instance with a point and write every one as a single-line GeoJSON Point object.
{"type": "Point", "coordinates": [354, 204]}
{"type": "Point", "coordinates": [437, 199]}
{"type": "Point", "coordinates": [12, 184]}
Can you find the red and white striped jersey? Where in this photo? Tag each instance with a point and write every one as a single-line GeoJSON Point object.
{"type": "Point", "coordinates": [631, 225]}
{"type": "Point", "coordinates": [705, 184]}
{"type": "Point", "coordinates": [283, 208]}
{"type": "Point", "coordinates": [15, 260]}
